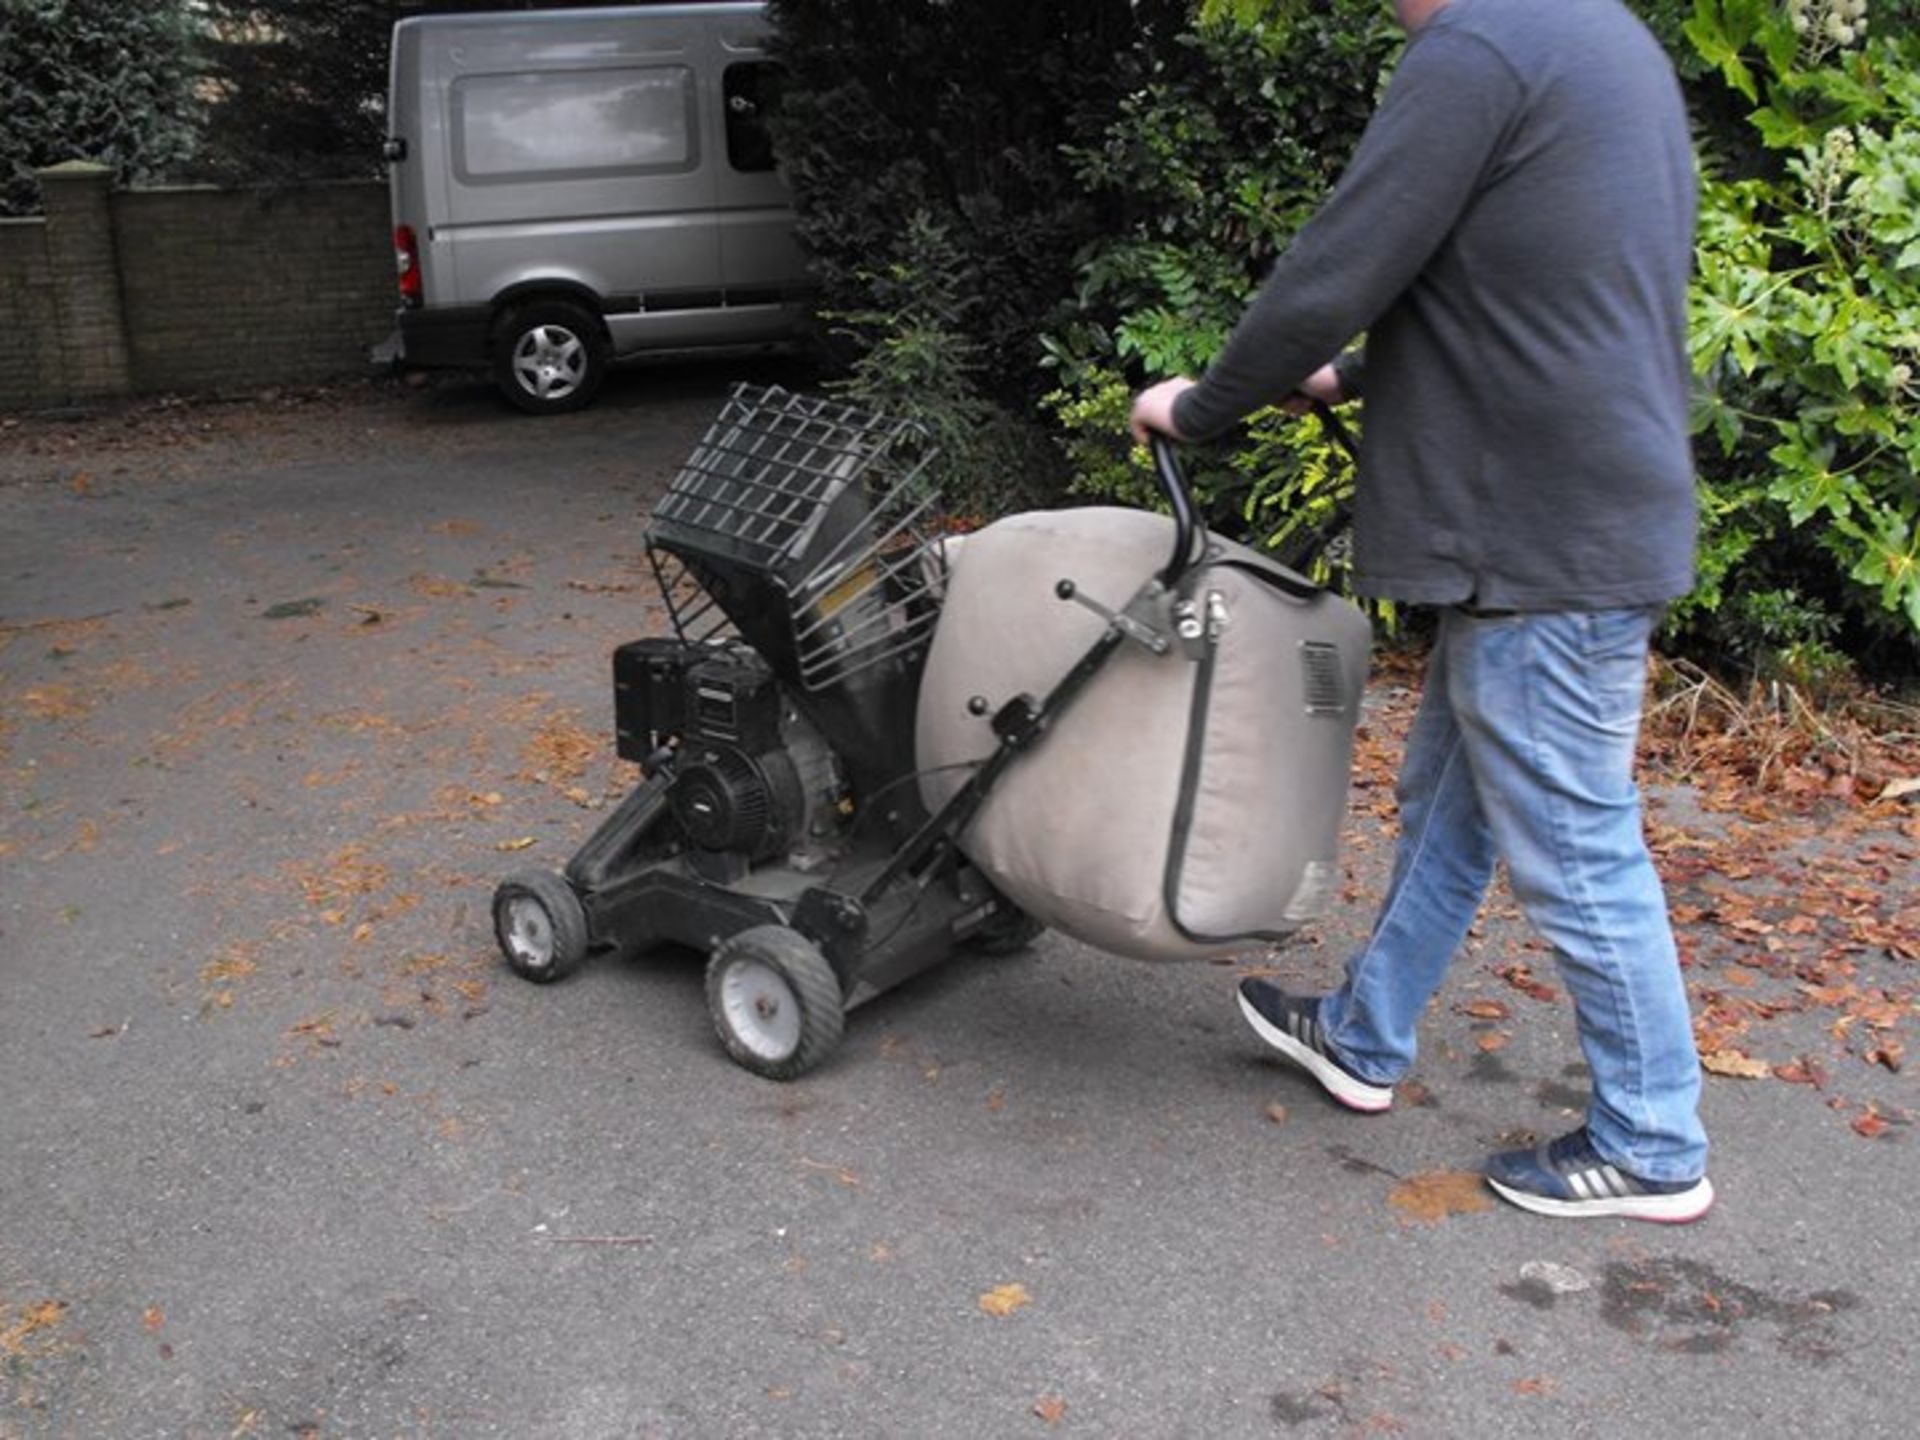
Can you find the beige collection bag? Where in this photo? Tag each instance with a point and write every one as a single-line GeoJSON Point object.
{"type": "Point", "coordinates": [1185, 804]}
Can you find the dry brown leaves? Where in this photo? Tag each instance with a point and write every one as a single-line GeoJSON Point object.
{"type": "Point", "coordinates": [1773, 741]}
{"type": "Point", "coordinates": [1432, 1196]}
{"type": "Point", "coordinates": [1003, 1300]}
{"type": "Point", "coordinates": [559, 751]}
{"type": "Point", "coordinates": [34, 1323]}
{"type": "Point", "coordinates": [343, 877]}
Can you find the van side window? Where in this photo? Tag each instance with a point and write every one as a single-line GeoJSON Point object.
{"type": "Point", "coordinates": [573, 123]}
{"type": "Point", "coordinates": [752, 90]}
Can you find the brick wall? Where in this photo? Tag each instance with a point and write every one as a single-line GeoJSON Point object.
{"type": "Point", "coordinates": [139, 291]}
{"type": "Point", "coordinates": [31, 370]}
{"type": "Point", "coordinates": [227, 289]}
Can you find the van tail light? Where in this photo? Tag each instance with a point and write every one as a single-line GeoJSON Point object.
{"type": "Point", "coordinates": [406, 255]}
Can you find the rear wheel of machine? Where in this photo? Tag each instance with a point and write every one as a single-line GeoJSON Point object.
{"type": "Point", "coordinates": [549, 356]}
{"type": "Point", "coordinates": [1010, 931]}
{"type": "Point", "coordinates": [540, 924]}
{"type": "Point", "coordinates": [775, 1001]}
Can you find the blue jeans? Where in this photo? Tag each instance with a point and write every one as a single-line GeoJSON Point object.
{"type": "Point", "coordinates": [1523, 750]}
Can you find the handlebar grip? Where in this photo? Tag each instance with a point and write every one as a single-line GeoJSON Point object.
{"type": "Point", "coordinates": [1167, 466]}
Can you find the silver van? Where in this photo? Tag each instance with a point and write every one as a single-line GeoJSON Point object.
{"type": "Point", "coordinates": [574, 186]}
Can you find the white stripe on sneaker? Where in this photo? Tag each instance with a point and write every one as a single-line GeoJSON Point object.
{"type": "Point", "coordinates": [1674, 1209]}
{"type": "Point", "coordinates": [1350, 1090]}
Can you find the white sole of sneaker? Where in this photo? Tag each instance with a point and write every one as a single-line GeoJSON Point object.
{"type": "Point", "coordinates": [1354, 1093]}
{"type": "Point", "coordinates": [1679, 1208]}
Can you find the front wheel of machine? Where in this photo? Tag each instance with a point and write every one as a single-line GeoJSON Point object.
{"type": "Point", "coordinates": [540, 924]}
{"type": "Point", "coordinates": [549, 356]}
{"type": "Point", "coordinates": [775, 1001]}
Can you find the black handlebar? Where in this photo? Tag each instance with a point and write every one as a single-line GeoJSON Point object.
{"type": "Point", "coordinates": [1185, 527]}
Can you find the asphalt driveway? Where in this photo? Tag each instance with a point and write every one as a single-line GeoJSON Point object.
{"type": "Point", "coordinates": [286, 685]}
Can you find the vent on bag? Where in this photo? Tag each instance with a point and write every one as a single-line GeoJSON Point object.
{"type": "Point", "coordinates": [1322, 683]}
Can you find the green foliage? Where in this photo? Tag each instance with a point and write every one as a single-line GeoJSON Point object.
{"type": "Point", "coordinates": [1806, 340]}
{"type": "Point", "coordinates": [298, 89]}
{"type": "Point", "coordinates": [1210, 167]}
{"type": "Point", "coordinates": [895, 107]}
{"type": "Point", "coordinates": [917, 361]}
{"type": "Point", "coordinates": [957, 114]}
{"type": "Point", "coordinates": [91, 80]}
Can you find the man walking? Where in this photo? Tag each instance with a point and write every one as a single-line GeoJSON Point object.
{"type": "Point", "coordinates": [1514, 234]}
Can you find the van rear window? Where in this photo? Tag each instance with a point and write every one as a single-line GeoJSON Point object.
{"type": "Point", "coordinates": [573, 123]}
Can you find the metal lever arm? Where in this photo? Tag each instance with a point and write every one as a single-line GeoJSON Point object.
{"type": "Point", "coordinates": [1126, 622]}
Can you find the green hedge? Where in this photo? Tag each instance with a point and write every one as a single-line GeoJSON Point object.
{"type": "Point", "coordinates": [1024, 213]}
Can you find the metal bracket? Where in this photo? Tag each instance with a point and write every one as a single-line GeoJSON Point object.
{"type": "Point", "coordinates": [1140, 622]}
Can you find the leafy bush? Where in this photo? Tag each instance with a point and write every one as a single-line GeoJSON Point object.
{"type": "Point", "coordinates": [1212, 166]}
{"type": "Point", "coordinates": [895, 107]}
{"type": "Point", "coordinates": [915, 360]}
{"type": "Point", "coordinates": [88, 81]}
{"type": "Point", "coordinates": [299, 89]}
{"type": "Point", "coordinates": [956, 114]}
{"type": "Point", "coordinates": [1806, 339]}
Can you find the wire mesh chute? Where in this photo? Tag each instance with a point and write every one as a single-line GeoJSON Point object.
{"type": "Point", "coordinates": [811, 508]}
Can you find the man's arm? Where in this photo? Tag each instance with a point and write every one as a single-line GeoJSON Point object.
{"type": "Point", "coordinates": [1417, 166]}
{"type": "Point", "coordinates": [1329, 385]}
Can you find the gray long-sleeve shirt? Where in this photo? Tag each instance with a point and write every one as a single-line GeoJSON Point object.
{"type": "Point", "coordinates": [1515, 233]}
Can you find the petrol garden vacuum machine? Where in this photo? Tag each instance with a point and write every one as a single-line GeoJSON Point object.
{"type": "Point", "coordinates": [868, 744]}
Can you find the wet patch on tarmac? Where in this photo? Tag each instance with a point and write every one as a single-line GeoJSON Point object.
{"type": "Point", "coordinates": [1489, 1069]}
{"type": "Point", "coordinates": [1689, 1308]}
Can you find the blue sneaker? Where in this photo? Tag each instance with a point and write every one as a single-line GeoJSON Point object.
{"type": "Point", "coordinates": [1292, 1026]}
{"type": "Point", "coordinates": [1568, 1177]}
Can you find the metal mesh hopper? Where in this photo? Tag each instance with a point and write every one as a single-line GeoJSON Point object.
{"type": "Point", "coordinates": [803, 526]}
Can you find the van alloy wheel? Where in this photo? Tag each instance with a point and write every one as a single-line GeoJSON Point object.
{"type": "Point", "coordinates": [549, 361]}
{"type": "Point", "coordinates": [549, 356]}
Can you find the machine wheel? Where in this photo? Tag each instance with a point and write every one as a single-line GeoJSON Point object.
{"type": "Point", "coordinates": [1007, 933]}
{"type": "Point", "coordinates": [775, 1001]}
{"type": "Point", "coordinates": [549, 356]}
{"type": "Point", "coordinates": [540, 924]}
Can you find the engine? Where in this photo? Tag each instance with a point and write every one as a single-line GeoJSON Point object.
{"type": "Point", "coordinates": [754, 780]}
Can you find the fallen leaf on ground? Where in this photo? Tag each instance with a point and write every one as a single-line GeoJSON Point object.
{"type": "Point", "coordinates": [1492, 1041]}
{"type": "Point", "coordinates": [1276, 1112]}
{"type": "Point", "coordinates": [1870, 1125]}
{"type": "Point", "coordinates": [1802, 1072]}
{"type": "Point", "coordinates": [153, 1319]}
{"type": "Point", "coordinates": [1436, 1194]}
{"type": "Point", "coordinates": [1520, 976]}
{"type": "Point", "coordinates": [1736, 1064]}
{"type": "Point", "coordinates": [1005, 1299]}
{"type": "Point", "coordinates": [1890, 1053]}
{"type": "Point", "coordinates": [524, 842]}
{"type": "Point", "coordinates": [1486, 1010]}
{"type": "Point", "coordinates": [35, 1318]}
{"type": "Point", "coordinates": [1050, 1408]}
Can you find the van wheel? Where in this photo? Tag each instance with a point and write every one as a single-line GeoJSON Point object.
{"type": "Point", "coordinates": [549, 356]}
